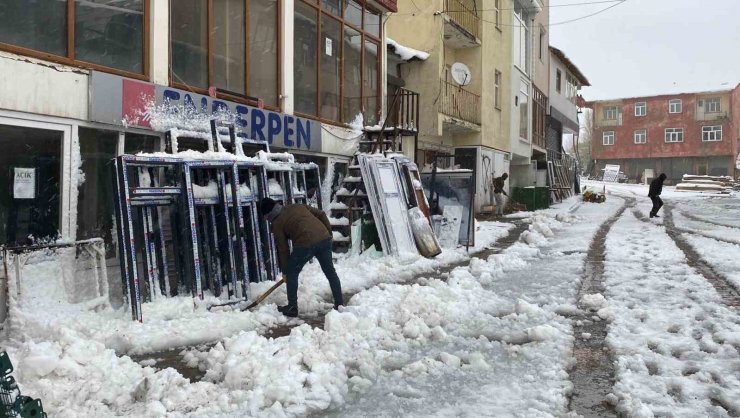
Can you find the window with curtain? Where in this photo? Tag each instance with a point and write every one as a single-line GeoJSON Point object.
{"type": "Point", "coordinates": [242, 59]}
{"type": "Point", "coordinates": [105, 34]}
{"type": "Point", "coordinates": [337, 60]}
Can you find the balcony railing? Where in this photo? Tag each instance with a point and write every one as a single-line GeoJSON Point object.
{"type": "Point", "coordinates": [463, 13]}
{"type": "Point", "coordinates": [611, 122]}
{"type": "Point", "coordinates": [459, 103]}
{"type": "Point", "coordinates": [403, 110]}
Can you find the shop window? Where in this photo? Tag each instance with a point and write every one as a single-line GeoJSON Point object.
{"type": "Point", "coordinates": [243, 59]}
{"type": "Point", "coordinates": [189, 42]}
{"type": "Point", "coordinates": [263, 32]}
{"type": "Point", "coordinates": [106, 34]}
{"type": "Point", "coordinates": [95, 200]}
{"type": "Point", "coordinates": [331, 35]}
{"type": "Point", "coordinates": [110, 33]}
{"type": "Point", "coordinates": [305, 65]}
{"type": "Point", "coordinates": [30, 174]}
{"type": "Point", "coordinates": [341, 79]}
{"type": "Point", "coordinates": [136, 143]}
{"type": "Point", "coordinates": [370, 91]}
{"type": "Point", "coordinates": [40, 26]}
{"type": "Point", "coordinates": [352, 96]}
{"type": "Point", "coordinates": [229, 44]}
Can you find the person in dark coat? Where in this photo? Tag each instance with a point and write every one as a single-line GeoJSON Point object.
{"type": "Point", "coordinates": [499, 193]}
{"type": "Point", "coordinates": [656, 188]}
{"type": "Point", "coordinates": [309, 231]}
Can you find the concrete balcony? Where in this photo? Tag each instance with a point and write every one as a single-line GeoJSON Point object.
{"type": "Point", "coordinates": [460, 108]}
{"type": "Point", "coordinates": [462, 24]}
{"type": "Point", "coordinates": [610, 122]}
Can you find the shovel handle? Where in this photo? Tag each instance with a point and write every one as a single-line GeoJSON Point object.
{"type": "Point", "coordinates": [266, 294]}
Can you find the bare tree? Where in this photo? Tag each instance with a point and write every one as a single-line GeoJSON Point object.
{"type": "Point", "coordinates": [584, 139]}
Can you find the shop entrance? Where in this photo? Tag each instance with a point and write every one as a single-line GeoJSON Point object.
{"type": "Point", "coordinates": [30, 177]}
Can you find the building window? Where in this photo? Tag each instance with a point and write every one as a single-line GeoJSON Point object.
{"type": "Point", "coordinates": [524, 110]}
{"type": "Point", "coordinates": [711, 133]}
{"type": "Point", "coordinates": [522, 42]}
{"type": "Point", "coordinates": [610, 113]}
{"type": "Point", "coordinates": [558, 81]}
{"type": "Point", "coordinates": [497, 9]}
{"type": "Point", "coordinates": [640, 109]}
{"type": "Point", "coordinates": [104, 36]}
{"type": "Point", "coordinates": [571, 87]}
{"type": "Point", "coordinates": [675, 106]}
{"type": "Point", "coordinates": [497, 93]}
{"type": "Point", "coordinates": [674, 135]}
{"type": "Point", "coordinates": [608, 137]}
{"type": "Point", "coordinates": [712, 105]}
{"type": "Point", "coordinates": [214, 43]}
{"type": "Point", "coordinates": [640, 136]}
{"type": "Point", "coordinates": [539, 113]}
{"type": "Point", "coordinates": [337, 60]}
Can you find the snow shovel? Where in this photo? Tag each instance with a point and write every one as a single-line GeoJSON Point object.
{"type": "Point", "coordinates": [256, 302]}
{"type": "Point", "coordinates": [265, 295]}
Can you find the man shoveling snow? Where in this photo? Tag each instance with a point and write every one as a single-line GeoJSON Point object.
{"type": "Point", "coordinates": [309, 231]}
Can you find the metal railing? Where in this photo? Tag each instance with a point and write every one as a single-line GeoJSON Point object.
{"type": "Point", "coordinates": [403, 111]}
{"type": "Point", "coordinates": [464, 14]}
{"type": "Point", "coordinates": [459, 103]}
{"type": "Point", "coordinates": [610, 122]}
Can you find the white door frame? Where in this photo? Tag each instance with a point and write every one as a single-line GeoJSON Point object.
{"type": "Point", "coordinates": [65, 201]}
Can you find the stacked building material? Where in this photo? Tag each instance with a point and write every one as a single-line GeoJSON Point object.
{"type": "Point", "coordinates": [705, 184]}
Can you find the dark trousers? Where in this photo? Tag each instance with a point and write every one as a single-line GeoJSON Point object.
{"type": "Point", "coordinates": [657, 204]}
{"type": "Point", "coordinates": [302, 255]}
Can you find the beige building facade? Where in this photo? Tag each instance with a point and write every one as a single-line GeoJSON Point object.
{"type": "Point", "coordinates": [464, 115]}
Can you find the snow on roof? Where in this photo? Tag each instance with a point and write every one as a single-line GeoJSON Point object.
{"type": "Point", "coordinates": [406, 53]}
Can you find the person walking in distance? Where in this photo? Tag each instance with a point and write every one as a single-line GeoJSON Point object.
{"type": "Point", "coordinates": [656, 188]}
{"type": "Point", "coordinates": [499, 193]}
{"type": "Point", "coordinates": [309, 231]}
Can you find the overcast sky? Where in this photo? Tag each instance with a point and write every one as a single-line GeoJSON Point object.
{"type": "Point", "coordinates": [650, 47]}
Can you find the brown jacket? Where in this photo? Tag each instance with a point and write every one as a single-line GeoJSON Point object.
{"type": "Point", "coordinates": [303, 225]}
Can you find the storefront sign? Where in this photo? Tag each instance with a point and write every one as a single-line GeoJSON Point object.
{"type": "Point", "coordinates": [24, 183]}
{"type": "Point", "coordinates": [117, 100]}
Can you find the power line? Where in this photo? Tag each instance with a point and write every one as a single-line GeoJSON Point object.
{"type": "Point", "coordinates": [588, 3]}
{"type": "Point", "coordinates": [617, 3]}
{"type": "Point", "coordinates": [564, 21]}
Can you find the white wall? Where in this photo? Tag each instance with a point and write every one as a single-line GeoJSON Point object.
{"type": "Point", "coordinates": [34, 86]}
{"type": "Point", "coordinates": [558, 100]}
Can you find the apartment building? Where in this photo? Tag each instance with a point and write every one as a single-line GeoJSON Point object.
{"type": "Point", "coordinates": [486, 121]}
{"type": "Point", "coordinates": [78, 78]}
{"type": "Point", "coordinates": [566, 81]}
{"type": "Point", "coordinates": [677, 134]}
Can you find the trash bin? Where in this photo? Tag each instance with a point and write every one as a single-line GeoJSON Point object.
{"type": "Point", "coordinates": [532, 197]}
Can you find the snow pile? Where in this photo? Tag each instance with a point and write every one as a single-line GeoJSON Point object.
{"type": "Point", "coordinates": [593, 302]}
{"type": "Point", "coordinates": [405, 52]}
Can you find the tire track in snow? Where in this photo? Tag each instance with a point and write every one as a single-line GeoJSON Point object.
{"type": "Point", "coordinates": [699, 219]}
{"type": "Point", "coordinates": [593, 373]}
{"type": "Point", "coordinates": [729, 294]}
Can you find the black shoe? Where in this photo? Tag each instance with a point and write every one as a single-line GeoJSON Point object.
{"type": "Point", "coordinates": [288, 310]}
{"type": "Point", "coordinates": [656, 216]}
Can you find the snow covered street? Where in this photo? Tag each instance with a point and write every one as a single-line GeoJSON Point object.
{"type": "Point", "coordinates": [459, 335]}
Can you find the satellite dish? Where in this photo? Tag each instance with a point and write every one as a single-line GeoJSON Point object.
{"type": "Point", "coordinates": [461, 73]}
